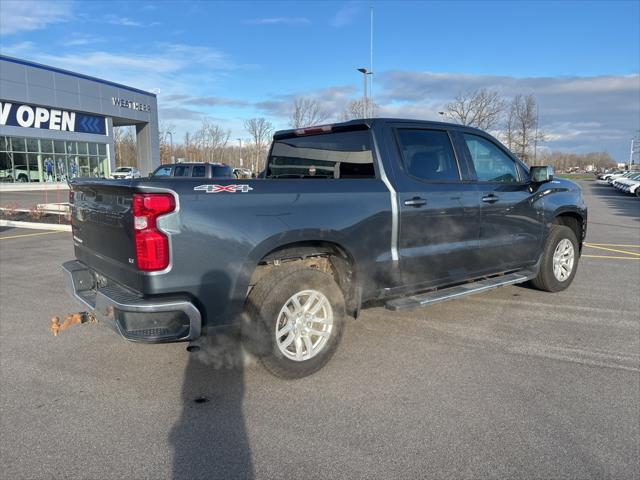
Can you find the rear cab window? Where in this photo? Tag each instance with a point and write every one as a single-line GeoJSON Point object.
{"type": "Point", "coordinates": [333, 155]}
{"type": "Point", "coordinates": [222, 171]}
{"type": "Point", "coordinates": [198, 171]}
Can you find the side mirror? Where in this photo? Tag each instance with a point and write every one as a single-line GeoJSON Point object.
{"type": "Point", "coordinates": [541, 174]}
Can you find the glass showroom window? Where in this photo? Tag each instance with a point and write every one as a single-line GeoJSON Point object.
{"type": "Point", "coordinates": [40, 160]}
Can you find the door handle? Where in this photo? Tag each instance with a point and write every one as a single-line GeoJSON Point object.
{"type": "Point", "coordinates": [415, 202]}
{"type": "Point", "coordinates": [491, 198]}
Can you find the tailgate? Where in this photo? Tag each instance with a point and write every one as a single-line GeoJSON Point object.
{"type": "Point", "coordinates": [102, 224]}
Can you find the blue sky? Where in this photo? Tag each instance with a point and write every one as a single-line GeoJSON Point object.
{"type": "Point", "coordinates": [233, 60]}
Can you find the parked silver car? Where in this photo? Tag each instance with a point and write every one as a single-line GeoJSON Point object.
{"type": "Point", "coordinates": [126, 172]}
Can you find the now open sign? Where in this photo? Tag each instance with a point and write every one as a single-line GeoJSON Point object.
{"type": "Point", "coordinates": [30, 116]}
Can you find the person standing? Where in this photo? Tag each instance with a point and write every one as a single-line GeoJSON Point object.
{"type": "Point", "coordinates": [48, 166]}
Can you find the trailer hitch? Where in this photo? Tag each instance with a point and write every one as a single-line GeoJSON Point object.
{"type": "Point", "coordinates": [70, 319]}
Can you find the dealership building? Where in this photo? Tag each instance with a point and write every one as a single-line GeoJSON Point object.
{"type": "Point", "coordinates": [56, 124]}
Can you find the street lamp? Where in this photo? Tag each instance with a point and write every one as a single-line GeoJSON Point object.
{"type": "Point", "coordinates": [171, 147]}
{"type": "Point", "coordinates": [364, 73]}
{"type": "Point", "coordinates": [240, 140]}
{"type": "Point", "coordinates": [441, 116]}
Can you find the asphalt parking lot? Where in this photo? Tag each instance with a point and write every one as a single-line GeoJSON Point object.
{"type": "Point", "coordinates": [514, 383]}
{"type": "Point", "coordinates": [28, 199]}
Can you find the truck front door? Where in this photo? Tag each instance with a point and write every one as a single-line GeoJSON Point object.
{"type": "Point", "coordinates": [511, 216]}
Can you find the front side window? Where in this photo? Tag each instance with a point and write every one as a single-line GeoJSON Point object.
{"type": "Point", "coordinates": [428, 155]}
{"type": "Point", "coordinates": [490, 162]}
{"type": "Point", "coordinates": [162, 171]}
{"type": "Point", "coordinates": [330, 155]}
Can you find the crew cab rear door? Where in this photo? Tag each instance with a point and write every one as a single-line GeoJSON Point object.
{"type": "Point", "coordinates": [438, 208]}
{"type": "Point", "coordinates": [511, 215]}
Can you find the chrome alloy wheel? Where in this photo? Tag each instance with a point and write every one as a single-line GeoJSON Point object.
{"type": "Point", "coordinates": [563, 259]}
{"type": "Point", "coordinates": [304, 325]}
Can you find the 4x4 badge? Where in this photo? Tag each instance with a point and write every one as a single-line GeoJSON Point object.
{"type": "Point", "coordinates": [223, 188]}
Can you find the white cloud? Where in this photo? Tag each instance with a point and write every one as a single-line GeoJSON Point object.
{"type": "Point", "coordinates": [331, 99]}
{"type": "Point", "coordinates": [345, 15]}
{"type": "Point", "coordinates": [128, 22]}
{"type": "Point", "coordinates": [17, 49]}
{"type": "Point", "coordinates": [279, 20]}
{"type": "Point", "coordinates": [576, 113]}
{"type": "Point", "coordinates": [78, 40]}
{"type": "Point", "coordinates": [28, 15]}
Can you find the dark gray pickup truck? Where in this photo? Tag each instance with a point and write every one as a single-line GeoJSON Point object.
{"type": "Point", "coordinates": [400, 212]}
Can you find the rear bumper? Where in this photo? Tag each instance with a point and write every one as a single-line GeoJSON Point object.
{"type": "Point", "coordinates": [149, 320]}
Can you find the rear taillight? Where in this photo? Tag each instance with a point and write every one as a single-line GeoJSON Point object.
{"type": "Point", "coordinates": [152, 245]}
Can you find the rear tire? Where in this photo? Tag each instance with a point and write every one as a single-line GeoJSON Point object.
{"type": "Point", "coordinates": [297, 314]}
{"type": "Point", "coordinates": [559, 260]}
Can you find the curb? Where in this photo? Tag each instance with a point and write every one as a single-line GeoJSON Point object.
{"type": "Point", "coordinates": [36, 226]}
{"type": "Point", "coordinates": [12, 187]}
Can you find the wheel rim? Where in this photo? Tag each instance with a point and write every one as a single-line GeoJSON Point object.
{"type": "Point", "coordinates": [563, 259]}
{"type": "Point", "coordinates": [304, 325]}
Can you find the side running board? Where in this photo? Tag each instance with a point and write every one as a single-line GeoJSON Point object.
{"type": "Point", "coordinates": [458, 291]}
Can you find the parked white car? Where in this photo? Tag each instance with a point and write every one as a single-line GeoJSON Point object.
{"type": "Point", "coordinates": [126, 172]}
{"type": "Point", "coordinates": [606, 175]}
{"type": "Point", "coordinates": [20, 174]}
{"type": "Point", "coordinates": [628, 184]}
{"type": "Point", "coordinates": [616, 176]}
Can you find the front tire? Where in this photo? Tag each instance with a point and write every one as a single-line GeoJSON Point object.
{"type": "Point", "coordinates": [559, 260]}
{"type": "Point", "coordinates": [299, 313]}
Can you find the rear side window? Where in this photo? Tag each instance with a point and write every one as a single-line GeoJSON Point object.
{"type": "Point", "coordinates": [222, 171]}
{"type": "Point", "coordinates": [490, 162]}
{"type": "Point", "coordinates": [181, 171]}
{"type": "Point", "coordinates": [331, 155]}
{"type": "Point", "coordinates": [198, 171]}
{"type": "Point", "coordinates": [428, 155]}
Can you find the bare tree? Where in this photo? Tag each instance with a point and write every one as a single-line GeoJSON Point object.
{"type": "Point", "coordinates": [126, 146]}
{"type": "Point", "coordinates": [509, 128]}
{"type": "Point", "coordinates": [522, 129]}
{"type": "Point", "coordinates": [211, 139]}
{"type": "Point", "coordinates": [306, 112]}
{"type": "Point", "coordinates": [190, 149]}
{"type": "Point", "coordinates": [482, 109]}
{"type": "Point", "coordinates": [361, 108]}
{"type": "Point", "coordinates": [164, 129]}
{"type": "Point", "coordinates": [260, 130]}
{"type": "Point", "coordinates": [567, 162]}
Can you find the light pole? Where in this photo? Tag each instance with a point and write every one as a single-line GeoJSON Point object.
{"type": "Point", "coordinates": [171, 147]}
{"type": "Point", "coordinates": [240, 140]}
{"type": "Point", "coordinates": [365, 109]}
{"type": "Point", "coordinates": [441, 116]}
{"type": "Point", "coordinates": [535, 140]}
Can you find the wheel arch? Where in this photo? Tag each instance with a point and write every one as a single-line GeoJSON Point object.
{"type": "Point", "coordinates": [574, 220]}
{"type": "Point", "coordinates": [324, 254]}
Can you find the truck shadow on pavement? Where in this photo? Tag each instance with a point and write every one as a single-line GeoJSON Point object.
{"type": "Point", "coordinates": [209, 439]}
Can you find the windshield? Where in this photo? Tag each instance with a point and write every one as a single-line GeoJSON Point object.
{"type": "Point", "coordinates": [123, 169]}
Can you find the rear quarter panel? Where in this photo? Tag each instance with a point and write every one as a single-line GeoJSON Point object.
{"type": "Point", "coordinates": [218, 238]}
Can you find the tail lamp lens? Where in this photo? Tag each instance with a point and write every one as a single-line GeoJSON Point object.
{"type": "Point", "coordinates": [152, 245]}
